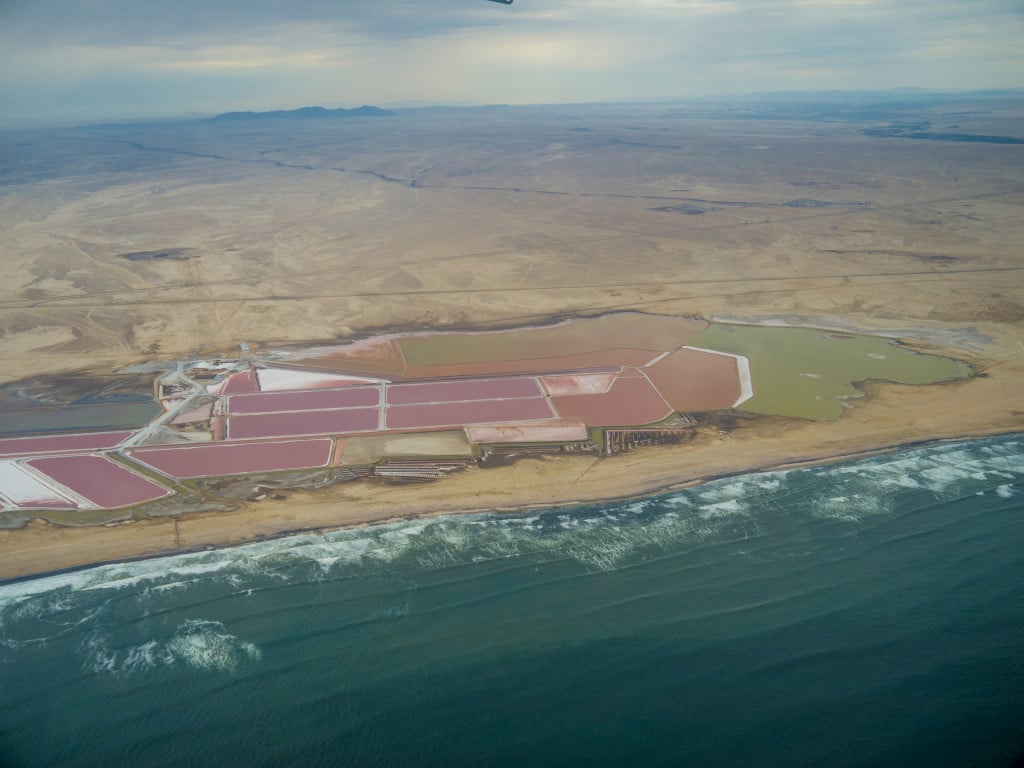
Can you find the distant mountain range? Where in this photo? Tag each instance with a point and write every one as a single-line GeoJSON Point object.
{"type": "Point", "coordinates": [305, 113]}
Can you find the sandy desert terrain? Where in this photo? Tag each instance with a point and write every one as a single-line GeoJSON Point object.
{"type": "Point", "coordinates": [123, 245]}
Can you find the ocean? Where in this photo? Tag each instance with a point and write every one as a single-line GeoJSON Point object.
{"type": "Point", "coordinates": [868, 613]}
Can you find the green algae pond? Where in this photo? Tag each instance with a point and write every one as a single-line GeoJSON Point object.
{"type": "Point", "coordinates": [77, 402]}
{"type": "Point", "coordinates": [78, 417]}
{"type": "Point", "coordinates": [806, 372]}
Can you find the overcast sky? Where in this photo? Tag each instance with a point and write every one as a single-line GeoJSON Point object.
{"type": "Point", "coordinates": [104, 59]}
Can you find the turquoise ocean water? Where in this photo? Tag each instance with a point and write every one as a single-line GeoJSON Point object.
{"type": "Point", "coordinates": [867, 613]}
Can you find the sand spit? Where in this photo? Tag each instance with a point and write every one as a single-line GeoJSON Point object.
{"type": "Point", "coordinates": [887, 417]}
{"type": "Point", "coordinates": [890, 417]}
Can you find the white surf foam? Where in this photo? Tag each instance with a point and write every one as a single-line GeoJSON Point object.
{"type": "Point", "coordinates": [853, 508]}
{"type": "Point", "coordinates": [598, 538]}
{"type": "Point", "coordinates": [197, 643]}
{"type": "Point", "coordinates": [206, 645]}
{"type": "Point", "coordinates": [1006, 491]}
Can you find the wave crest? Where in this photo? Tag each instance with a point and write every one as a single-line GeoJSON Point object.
{"type": "Point", "coordinates": [599, 537]}
{"type": "Point", "coordinates": [197, 643]}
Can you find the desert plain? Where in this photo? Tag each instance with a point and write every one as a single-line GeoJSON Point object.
{"type": "Point", "coordinates": [124, 245]}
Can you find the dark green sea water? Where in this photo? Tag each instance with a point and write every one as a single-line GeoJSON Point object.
{"type": "Point", "coordinates": [863, 614]}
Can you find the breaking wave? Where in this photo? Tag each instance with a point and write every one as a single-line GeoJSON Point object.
{"type": "Point", "coordinates": [837, 585]}
{"type": "Point", "coordinates": [595, 537]}
{"type": "Point", "coordinates": [197, 643]}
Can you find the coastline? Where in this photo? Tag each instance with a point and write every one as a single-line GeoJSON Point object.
{"type": "Point", "coordinates": [80, 548]}
{"type": "Point", "coordinates": [888, 417]}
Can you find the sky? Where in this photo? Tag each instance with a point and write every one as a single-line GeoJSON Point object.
{"type": "Point", "coordinates": [106, 59]}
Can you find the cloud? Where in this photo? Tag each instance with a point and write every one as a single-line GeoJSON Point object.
{"type": "Point", "coordinates": [269, 53]}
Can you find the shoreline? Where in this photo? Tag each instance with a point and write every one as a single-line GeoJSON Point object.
{"type": "Point", "coordinates": [888, 417]}
{"type": "Point", "coordinates": [433, 512]}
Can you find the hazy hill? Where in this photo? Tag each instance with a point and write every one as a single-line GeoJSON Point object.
{"type": "Point", "coordinates": [305, 113]}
